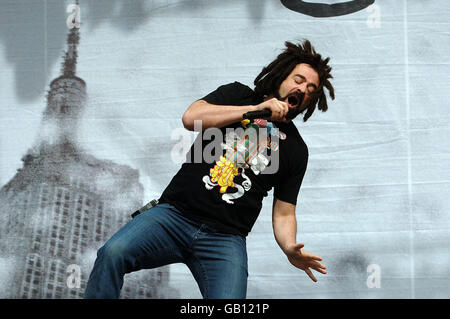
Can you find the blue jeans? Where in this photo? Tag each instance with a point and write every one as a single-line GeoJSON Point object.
{"type": "Point", "coordinates": [162, 236]}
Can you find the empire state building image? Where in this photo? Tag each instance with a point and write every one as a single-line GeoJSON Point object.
{"type": "Point", "coordinates": [63, 204]}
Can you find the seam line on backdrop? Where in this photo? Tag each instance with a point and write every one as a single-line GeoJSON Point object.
{"type": "Point", "coordinates": [45, 43]}
{"type": "Point", "coordinates": [408, 126]}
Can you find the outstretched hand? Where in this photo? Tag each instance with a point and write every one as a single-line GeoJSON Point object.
{"type": "Point", "coordinates": [305, 260]}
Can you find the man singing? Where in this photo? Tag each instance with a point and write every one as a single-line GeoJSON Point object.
{"type": "Point", "coordinates": [209, 207]}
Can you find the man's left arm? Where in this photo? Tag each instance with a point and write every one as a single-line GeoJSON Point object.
{"type": "Point", "coordinates": [284, 225]}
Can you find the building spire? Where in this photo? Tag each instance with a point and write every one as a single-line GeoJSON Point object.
{"type": "Point", "coordinates": [70, 59]}
{"type": "Point", "coordinates": [67, 96]}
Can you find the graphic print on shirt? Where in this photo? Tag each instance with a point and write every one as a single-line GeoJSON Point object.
{"type": "Point", "coordinates": [243, 151]}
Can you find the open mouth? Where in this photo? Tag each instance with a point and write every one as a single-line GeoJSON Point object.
{"type": "Point", "coordinates": [295, 99]}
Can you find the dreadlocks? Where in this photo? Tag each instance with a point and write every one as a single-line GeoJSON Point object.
{"type": "Point", "coordinates": [269, 80]}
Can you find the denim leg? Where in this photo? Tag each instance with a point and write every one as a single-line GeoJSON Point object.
{"type": "Point", "coordinates": [219, 264]}
{"type": "Point", "coordinates": [152, 239]}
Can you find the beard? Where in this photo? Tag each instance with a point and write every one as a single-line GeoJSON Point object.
{"type": "Point", "coordinates": [295, 101]}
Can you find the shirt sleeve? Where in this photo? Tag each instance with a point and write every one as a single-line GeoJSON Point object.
{"type": "Point", "coordinates": [288, 186]}
{"type": "Point", "coordinates": [228, 94]}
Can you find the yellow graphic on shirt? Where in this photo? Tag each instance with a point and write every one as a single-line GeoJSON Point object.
{"type": "Point", "coordinates": [223, 174]}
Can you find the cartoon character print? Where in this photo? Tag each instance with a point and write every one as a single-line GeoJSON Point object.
{"type": "Point", "coordinates": [242, 152]}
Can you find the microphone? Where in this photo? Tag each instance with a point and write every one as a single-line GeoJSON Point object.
{"type": "Point", "coordinates": [261, 114]}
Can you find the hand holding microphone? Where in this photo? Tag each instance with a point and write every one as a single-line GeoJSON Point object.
{"type": "Point", "coordinates": [272, 109]}
{"type": "Point", "coordinates": [278, 110]}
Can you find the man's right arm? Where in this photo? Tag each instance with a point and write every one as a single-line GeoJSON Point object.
{"type": "Point", "coordinates": [219, 116]}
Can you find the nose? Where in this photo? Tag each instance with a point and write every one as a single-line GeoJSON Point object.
{"type": "Point", "coordinates": [303, 88]}
{"type": "Point", "coordinates": [300, 88]}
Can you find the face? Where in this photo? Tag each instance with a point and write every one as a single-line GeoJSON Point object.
{"type": "Point", "coordinates": [302, 78]}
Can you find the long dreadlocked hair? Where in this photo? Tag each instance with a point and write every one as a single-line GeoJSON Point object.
{"type": "Point", "coordinates": [269, 80]}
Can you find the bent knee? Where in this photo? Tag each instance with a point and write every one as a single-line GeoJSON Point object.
{"type": "Point", "coordinates": [113, 250]}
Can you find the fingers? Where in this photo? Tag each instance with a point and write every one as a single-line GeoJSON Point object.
{"type": "Point", "coordinates": [279, 108]}
{"type": "Point", "coordinates": [310, 274]}
{"type": "Point", "coordinates": [317, 265]}
{"type": "Point", "coordinates": [306, 254]}
{"type": "Point", "coordinates": [283, 109]}
{"type": "Point", "coordinates": [305, 260]}
{"type": "Point", "coordinates": [314, 264]}
{"type": "Point", "coordinates": [321, 270]}
{"type": "Point", "coordinates": [311, 256]}
{"type": "Point", "coordinates": [318, 269]}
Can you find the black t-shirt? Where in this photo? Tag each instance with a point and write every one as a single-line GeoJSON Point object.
{"type": "Point", "coordinates": [227, 193]}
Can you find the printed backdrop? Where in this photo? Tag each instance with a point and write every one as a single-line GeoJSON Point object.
{"type": "Point", "coordinates": [90, 117]}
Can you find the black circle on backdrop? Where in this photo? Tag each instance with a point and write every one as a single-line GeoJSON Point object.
{"type": "Point", "coordinates": [323, 10]}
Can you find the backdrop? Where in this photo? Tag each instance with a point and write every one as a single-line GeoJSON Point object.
{"type": "Point", "coordinates": [90, 117]}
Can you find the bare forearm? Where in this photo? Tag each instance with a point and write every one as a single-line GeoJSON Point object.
{"type": "Point", "coordinates": [214, 115]}
{"type": "Point", "coordinates": [285, 230]}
